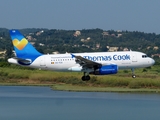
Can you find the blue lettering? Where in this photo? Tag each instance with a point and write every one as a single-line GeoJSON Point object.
{"type": "Point", "coordinates": [98, 58]}
{"type": "Point", "coordinates": [121, 57]}
{"type": "Point", "coordinates": [93, 58]}
{"type": "Point", "coordinates": [108, 58]}
{"type": "Point", "coordinates": [128, 57]}
{"type": "Point", "coordinates": [90, 58]}
{"type": "Point", "coordinates": [85, 57]}
{"type": "Point", "coordinates": [103, 58]}
{"type": "Point", "coordinates": [114, 57]}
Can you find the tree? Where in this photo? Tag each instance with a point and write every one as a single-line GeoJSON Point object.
{"type": "Point", "coordinates": [8, 53]}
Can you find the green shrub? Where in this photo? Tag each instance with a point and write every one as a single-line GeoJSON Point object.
{"type": "Point", "coordinates": [115, 82]}
{"type": "Point", "coordinates": [18, 76]}
{"type": "Point", "coordinates": [41, 77]}
{"type": "Point", "coordinates": [125, 71]}
{"type": "Point", "coordinates": [144, 70]}
{"type": "Point", "coordinates": [145, 83]}
{"type": "Point", "coordinates": [134, 84]}
{"type": "Point", "coordinates": [70, 80]}
{"type": "Point", "coordinates": [93, 79]}
{"type": "Point", "coordinates": [2, 73]}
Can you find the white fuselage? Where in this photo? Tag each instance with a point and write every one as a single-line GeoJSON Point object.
{"type": "Point", "coordinates": [65, 62]}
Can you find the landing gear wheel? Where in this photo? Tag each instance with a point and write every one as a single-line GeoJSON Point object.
{"type": "Point", "coordinates": [86, 78]}
{"type": "Point", "coordinates": [133, 76]}
{"type": "Point", "coordinates": [83, 78]}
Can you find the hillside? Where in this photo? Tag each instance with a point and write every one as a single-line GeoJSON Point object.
{"type": "Point", "coordinates": [86, 40]}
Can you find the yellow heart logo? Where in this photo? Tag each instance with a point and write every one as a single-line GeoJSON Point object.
{"type": "Point", "coordinates": [20, 44]}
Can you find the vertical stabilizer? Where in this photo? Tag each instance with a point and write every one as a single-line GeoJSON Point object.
{"type": "Point", "coordinates": [23, 49]}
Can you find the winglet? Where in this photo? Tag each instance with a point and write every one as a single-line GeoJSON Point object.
{"type": "Point", "coordinates": [73, 56]}
{"type": "Point", "coordinates": [22, 47]}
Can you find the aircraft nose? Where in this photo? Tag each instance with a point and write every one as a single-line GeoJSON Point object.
{"type": "Point", "coordinates": [152, 61]}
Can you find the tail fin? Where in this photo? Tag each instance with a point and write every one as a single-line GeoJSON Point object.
{"type": "Point", "coordinates": [23, 49]}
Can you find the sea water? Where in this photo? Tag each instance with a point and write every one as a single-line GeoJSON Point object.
{"type": "Point", "coordinates": [42, 103]}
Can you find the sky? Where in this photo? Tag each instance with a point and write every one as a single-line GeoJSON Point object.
{"type": "Point", "coordinates": [130, 15]}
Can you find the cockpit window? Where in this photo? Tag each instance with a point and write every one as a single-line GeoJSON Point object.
{"type": "Point", "coordinates": [144, 56]}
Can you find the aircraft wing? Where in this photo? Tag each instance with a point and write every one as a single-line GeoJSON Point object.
{"type": "Point", "coordinates": [85, 63]}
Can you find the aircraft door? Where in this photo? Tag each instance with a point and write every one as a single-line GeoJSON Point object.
{"type": "Point", "coordinates": [42, 62]}
{"type": "Point", "coordinates": [134, 57]}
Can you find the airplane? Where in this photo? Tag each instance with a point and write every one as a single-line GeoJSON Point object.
{"type": "Point", "coordinates": [96, 63]}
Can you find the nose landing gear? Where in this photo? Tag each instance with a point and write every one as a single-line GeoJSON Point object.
{"type": "Point", "coordinates": [133, 75]}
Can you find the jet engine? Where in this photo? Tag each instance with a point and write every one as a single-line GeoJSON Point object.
{"type": "Point", "coordinates": [106, 70]}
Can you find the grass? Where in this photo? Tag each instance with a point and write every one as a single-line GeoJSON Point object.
{"type": "Point", "coordinates": [68, 87]}
{"type": "Point", "coordinates": [148, 79]}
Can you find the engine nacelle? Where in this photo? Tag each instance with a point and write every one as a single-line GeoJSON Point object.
{"type": "Point", "coordinates": [106, 70]}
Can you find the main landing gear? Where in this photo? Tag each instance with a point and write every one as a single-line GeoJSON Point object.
{"type": "Point", "coordinates": [86, 77]}
{"type": "Point", "coordinates": [133, 75]}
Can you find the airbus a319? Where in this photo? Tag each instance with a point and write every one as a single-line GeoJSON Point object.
{"type": "Point", "coordinates": [96, 63]}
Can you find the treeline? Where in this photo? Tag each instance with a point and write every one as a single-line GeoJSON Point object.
{"type": "Point", "coordinates": [85, 40]}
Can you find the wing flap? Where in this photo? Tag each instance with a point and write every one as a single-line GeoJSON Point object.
{"type": "Point", "coordinates": [86, 63]}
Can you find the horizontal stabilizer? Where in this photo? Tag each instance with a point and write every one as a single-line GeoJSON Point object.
{"type": "Point", "coordinates": [20, 61]}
